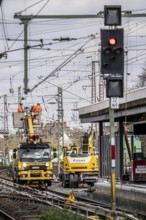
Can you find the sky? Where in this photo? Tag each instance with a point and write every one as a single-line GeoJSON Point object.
{"type": "Point", "coordinates": [65, 64]}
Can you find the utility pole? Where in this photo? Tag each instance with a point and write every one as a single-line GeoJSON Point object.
{"type": "Point", "coordinates": [5, 114]}
{"type": "Point", "coordinates": [101, 83]}
{"type": "Point", "coordinates": [112, 70]}
{"type": "Point", "coordinates": [93, 83]}
{"type": "Point", "coordinates": [25, 21]}
{"type": "Point", "coordinates": [19, 95]}
{"type": "Point", "coordinates": [113, 170]}
{"type": "Point", "coordinates": [75, 114]}
{"type": "Point", "coordinates": [94, 98]}
{"type": "Point", "coordinates": [5, 125]}
{"type": "Point", "coordinates": [60, 126]}
{"type": "Point", "coordinates": [25, 56]}
{"type": "Point", "coordinates": [101, 89]}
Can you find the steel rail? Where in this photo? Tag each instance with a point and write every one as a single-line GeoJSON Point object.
{"type": "Point", "coordinates": [5, 216]}
{"type": "Point", "coordinates": [84, 206]}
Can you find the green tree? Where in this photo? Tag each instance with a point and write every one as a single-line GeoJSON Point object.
{"type": "Point", "coordinates": [53, 141]}
{"type": "Point", "coordinates": [60, 215]}
{"type": "Point", "coordinates": [12, 141]}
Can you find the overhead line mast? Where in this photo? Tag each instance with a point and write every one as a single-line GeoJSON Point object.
{"type": "Point", "coordinates": [60, 126]}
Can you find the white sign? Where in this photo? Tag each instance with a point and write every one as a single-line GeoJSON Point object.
{"type": "Point", "coordinates": [79, 159]}
{"type": "Point", "coordinates": [114, 102]}
{"type": "Point", "coordinates": [140, 169]}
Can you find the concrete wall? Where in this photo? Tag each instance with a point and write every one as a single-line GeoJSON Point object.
{"type": "Point", "coordinates": [128, 198]}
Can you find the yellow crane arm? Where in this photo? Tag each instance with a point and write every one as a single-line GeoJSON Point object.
{"type": "Point", "coordinates": [30, 125]}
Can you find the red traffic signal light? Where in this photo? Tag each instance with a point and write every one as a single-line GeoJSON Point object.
{"type": "Point", "coordinates": [112, 41]}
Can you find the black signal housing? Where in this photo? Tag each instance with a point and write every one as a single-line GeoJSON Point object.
{"type": "Point", "coordinates": [112, 51]}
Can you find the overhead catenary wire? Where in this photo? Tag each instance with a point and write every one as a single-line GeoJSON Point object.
{"type": "Point", "coordinates": [72, 93]}
{"type": "Point", "coordinates": [61, 65]}
{"type": "Point", "coordinates": [39, 58]}
{"type": "Point", "coordinates": [20, 12]}
{"type": "Point", "coordinates": [36, 62]}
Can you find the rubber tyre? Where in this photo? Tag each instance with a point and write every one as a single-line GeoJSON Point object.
{"type": "Point", "coordinates": [71, 181]}
{"type": "Point", "coordinates": [50, 183]}
{"type": "Point", "coordinates": [64, 182]}
{"type": "Point", "coordinates": [76, 181]}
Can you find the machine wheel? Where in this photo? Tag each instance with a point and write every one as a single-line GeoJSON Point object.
{"type": "Point", "coordinates": [76, 180]}
{"type": "Point", "coordinates": [71, 181]}
{"type": "Point", "coordinates": [90, 184]}
{"type": "Point", "coordinates": [49, 183]}
{"type": "Point", "coordinates": [130, 179]}
{"type": "Point", "coordinates": [14, 177]}
{"type": "Point", "coordinates": [18, 181]}
{"type": "Point", "coordinates": [64, 182]}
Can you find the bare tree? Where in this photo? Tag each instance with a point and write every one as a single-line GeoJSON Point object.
{"type": "Point", "coordinates": [141, 81]}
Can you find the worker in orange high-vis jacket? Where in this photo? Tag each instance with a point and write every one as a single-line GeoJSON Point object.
{"type": "Point", "coordinates": [20, 108]}
{"type": "Point", "coordinates": [37, 108]}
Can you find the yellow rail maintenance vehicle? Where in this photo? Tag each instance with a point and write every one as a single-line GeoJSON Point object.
{"type": "Point", "coordinates": [80, 164]}
{"type": "Point", "coordinates": [32, 164]}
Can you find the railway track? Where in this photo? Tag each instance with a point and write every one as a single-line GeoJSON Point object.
{"type": "Point", "coordinates": [18, 202]}
{"type": "Point", "coordinates": [28, 203]}
{"type": "Point", "coordinates": [55, 197]}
